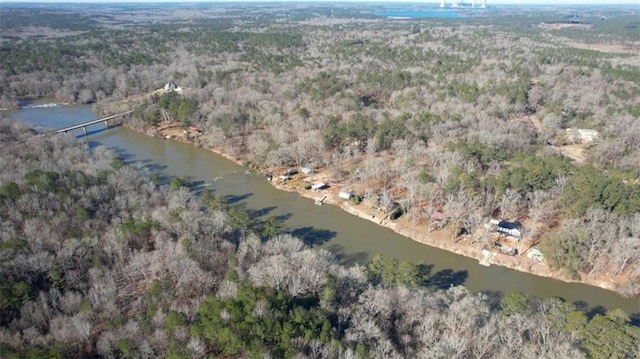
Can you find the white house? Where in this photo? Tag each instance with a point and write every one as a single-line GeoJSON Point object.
{"type": "Point", "coordinates": [512, 229]}
{"type": "Point", "coordinates": [170, 86]}
{"type": "Point", "coordinates": [582, 135]}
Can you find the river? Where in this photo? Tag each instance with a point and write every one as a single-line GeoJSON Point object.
{"type": "Point", "coordinates": [352, 239]}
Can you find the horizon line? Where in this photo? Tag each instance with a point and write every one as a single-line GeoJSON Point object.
{"type": "Point", "coordinates": [432, 2]}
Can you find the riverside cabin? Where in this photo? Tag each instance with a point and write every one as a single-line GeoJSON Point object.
{"type": "Point", "coordinates": [511, 229]}
{"type": "Point", "coordinates": [345, 195]}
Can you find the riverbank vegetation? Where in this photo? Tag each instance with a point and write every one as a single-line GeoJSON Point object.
{"type": "Point", "coordinates": [101, 259]}
{"type": "Point", "coordinates": [470, 119]}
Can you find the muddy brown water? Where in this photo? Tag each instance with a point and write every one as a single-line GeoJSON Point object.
{"type": "Point", "coordinates": [351, 239]}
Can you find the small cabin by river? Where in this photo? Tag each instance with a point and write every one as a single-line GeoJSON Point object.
{"type": "Point", "coordinates": [511, 229]}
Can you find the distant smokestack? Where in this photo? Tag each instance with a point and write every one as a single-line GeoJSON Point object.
{"type": "Point", "coordinates": [484, 4]}
{"type": "Point", "coordinates": [473, 3]}
{"type": "Point", "coordinates": [441, 3]}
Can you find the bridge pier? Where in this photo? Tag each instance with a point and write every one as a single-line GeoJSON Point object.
{"type": "Point", "coordinates": [84, 129]}
{"type": "Point", "coordinates": [106, 124]}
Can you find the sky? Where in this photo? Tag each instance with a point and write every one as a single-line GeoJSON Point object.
{"type": "Point", "coordinates": [489, 2]}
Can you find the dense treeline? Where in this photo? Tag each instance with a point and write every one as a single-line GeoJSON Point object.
{"type": "Point", "coordinates": [99, 259]}
{"type": "Point", "coordinates": [465, 117]}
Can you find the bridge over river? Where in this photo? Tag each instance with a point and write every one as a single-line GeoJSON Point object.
{"type": "Point", "coordinates": [84, 125]}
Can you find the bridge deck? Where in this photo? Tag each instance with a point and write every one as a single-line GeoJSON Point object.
{"type": "Point", "coordinates": [85, 124]}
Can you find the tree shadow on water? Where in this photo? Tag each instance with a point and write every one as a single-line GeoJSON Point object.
{"type": "Point", "coordinates": [232, 198]}
{"type": "Point", "coordinates": [119, 152]}
{"type": "Point", "coordinates": [592, 312]}
{"type": "Point", "coordinates": [256, 213]}
{"type": "Point", "coordinates": [447, 278]}
{"type": "Point", "coordinates": [198, 186]}
{"type": "Point", "coordinates": [94, 144]}
{"type": "Point", "coordinates": [283, 217]}
{"type": "Point", "coordinates": [348, 259]}
{"type": "Point", "coordinates": [148, 165]}
{"type": "Point", "coordinates": [312, 236]}
{"type": "Point", "coordinates": [588, 310]}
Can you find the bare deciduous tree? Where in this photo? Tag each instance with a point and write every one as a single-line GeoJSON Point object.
{"type": "Point", "coordinates": [456, 208]}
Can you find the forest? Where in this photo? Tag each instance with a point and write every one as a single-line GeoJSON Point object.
{"type": "Point", "coordinates": [477, 117]}
{"type": "Point", "coordinates": [101, 259]}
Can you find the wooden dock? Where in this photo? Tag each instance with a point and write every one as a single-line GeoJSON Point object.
{"type": "Point", "coordinates": [320, 202]}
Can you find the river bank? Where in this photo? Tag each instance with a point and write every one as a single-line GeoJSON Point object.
{"type": "Point", "coordinates": [441, 239]}
{"type": "Point", "coordinates": [469, 246]}
{"type": "Point", "coordinates": [351, 239]}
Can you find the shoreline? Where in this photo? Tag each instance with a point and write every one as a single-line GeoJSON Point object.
{"type": "Point", "coordinates": [460, 247]}
{"type": "Point", "coordinates": [437, 238]}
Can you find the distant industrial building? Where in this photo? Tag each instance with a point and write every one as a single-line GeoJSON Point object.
{"type": "Point", "coordinates": [460, 3]}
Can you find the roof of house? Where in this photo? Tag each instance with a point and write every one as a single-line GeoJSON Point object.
{"type": "Point", "coordinates": [510, 225]}
{"type": "Point", "coordinates": [535, 252]}
{"type": "Point", "coordinates": [344, 194]}
{"type": "Point", "coordinates": [513, 229]}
